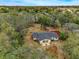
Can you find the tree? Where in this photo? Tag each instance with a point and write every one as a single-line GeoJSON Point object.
{"type": "Point", "coordinates": [44, 21]}
{"type": "Point", "coordinates": [63, 36]}
{"type": "Point", "coordinates": [14, 36]}
{"type": "Point", "coordinates": [4, 10]}
{"type": "Point", "coordinates": [65, 17]}
{"type": "Point", "coordinates": [71, 46]}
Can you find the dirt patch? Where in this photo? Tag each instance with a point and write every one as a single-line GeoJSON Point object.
{"type": "Point", "coordinates": [54, 48]}
{"type": "Point", "coordinates": [28, 38]}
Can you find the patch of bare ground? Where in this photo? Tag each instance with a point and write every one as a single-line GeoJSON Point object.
{"type": "Point", "coordinates": [53, 49]}
{"type": "Point", "coordinates": [28, 38]}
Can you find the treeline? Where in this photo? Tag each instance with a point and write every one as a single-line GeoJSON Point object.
{"type": "Point", "coordinates": [48, 9]}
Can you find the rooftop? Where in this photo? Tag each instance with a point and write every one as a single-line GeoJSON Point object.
{"type": "Point", "coordinates": [44, 35]}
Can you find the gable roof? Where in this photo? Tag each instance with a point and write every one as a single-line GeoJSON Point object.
{"type": "Point", "coordinates": [44, 35]}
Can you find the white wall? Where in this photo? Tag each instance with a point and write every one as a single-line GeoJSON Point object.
{"type": "Point", "coordinates": [46, 43]}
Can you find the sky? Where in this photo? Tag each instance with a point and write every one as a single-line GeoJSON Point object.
{"type": "Point", "coordinates": [39, 2]}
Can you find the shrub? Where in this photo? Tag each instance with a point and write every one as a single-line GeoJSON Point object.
{"type": "Point", "coordinates": [63, 36]}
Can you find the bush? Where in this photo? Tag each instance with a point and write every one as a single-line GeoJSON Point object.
{"type": "Point", "coordinates": [63, 36]}
{"type": "Point", "coordinates": [71, 46]}
{"type": "Point", "coordinates": [14, 36]}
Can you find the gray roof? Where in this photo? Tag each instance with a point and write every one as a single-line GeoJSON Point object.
{"type": "Point", "coordinates": [44, 35]}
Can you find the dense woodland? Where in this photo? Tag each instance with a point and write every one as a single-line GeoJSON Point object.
{"type": "Point", "coordinates": [14, 22]}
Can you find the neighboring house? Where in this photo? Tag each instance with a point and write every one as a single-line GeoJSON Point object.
{"type": "Point", "coordinates": [45, 38]}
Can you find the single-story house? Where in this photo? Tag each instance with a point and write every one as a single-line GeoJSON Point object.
{"type": "Point", "coordinates": [45, 38]}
